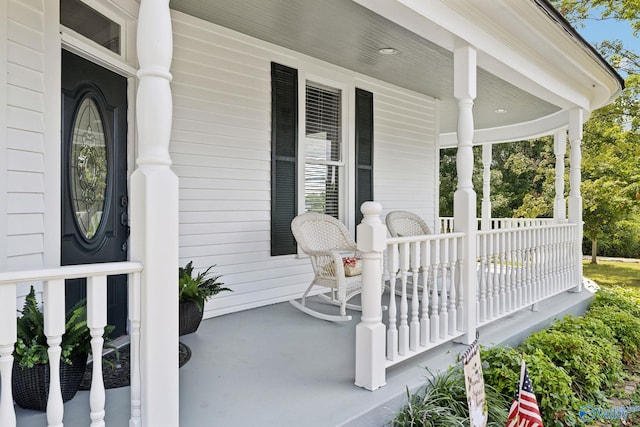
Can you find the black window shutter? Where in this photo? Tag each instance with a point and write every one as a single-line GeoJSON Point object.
{"type": "Point", "coordinates": [364, 149]}
{"type": "Point", "coordinates": [284, 150]}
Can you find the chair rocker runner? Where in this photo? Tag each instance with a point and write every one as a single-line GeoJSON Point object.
{"type": "Point", "coordinates": [334, 256]}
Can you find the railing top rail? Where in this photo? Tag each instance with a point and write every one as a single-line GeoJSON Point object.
{"type": "Point", "coordinates": [424, 238]}
{"type": "Point", "coordinates": [70, 272]}
{"type": "Point", "coordinates": [532, 227]}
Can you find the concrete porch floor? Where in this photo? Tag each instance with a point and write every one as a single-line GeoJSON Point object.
{"type": "Point", "coordinates": [275, 366]}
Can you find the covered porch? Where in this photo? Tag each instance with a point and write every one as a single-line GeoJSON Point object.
{"type": "Point", "coordinates": [276, 366]}
{"type": "Point", "coordinates": [204, 81]}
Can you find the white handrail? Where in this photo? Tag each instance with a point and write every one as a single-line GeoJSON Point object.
{"type": "Point", "coordinates": [70, 272]}
{"type": "Point", "coordinates": [54, 280]}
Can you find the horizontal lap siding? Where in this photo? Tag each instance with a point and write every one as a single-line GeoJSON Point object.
{"type": "Point", "coordinates": [25, 148]}
{"type": "Point", "coordinates": [220, 148]}
{"type": "Point", "coordinates": [221, 152]}
{"type": "Point", "coordinates": [406, 169]}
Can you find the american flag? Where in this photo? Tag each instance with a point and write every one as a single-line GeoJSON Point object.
{"type": "Point", "coordinates": [524, 410]}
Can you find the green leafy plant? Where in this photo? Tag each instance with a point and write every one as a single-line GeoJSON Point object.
{"type": "Point", "coordinates": [443, 402]}
{"type": "Point", "coordinates": [626, 299]}
{"type": "Point", "coordinates": [594, 363]}
{"type": "Point", "coordinates": [625, 328]}
{"type": "Point", "coordinates": [552, 384]}
{"type": "Point", "coordinates": [31, 343]}
{"type": "Point", "coordinates": [200, 288]}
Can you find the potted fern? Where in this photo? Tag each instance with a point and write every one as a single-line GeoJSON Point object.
{"type": "Point", "coordinates": [194, 291]}
{"type": "Point", "coordinates": [30, 379]}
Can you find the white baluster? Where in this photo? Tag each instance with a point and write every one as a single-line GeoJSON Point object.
{"type": "Point", "coordinates": [7, 341]}
{"type": "Point", "coordinates": [519, 268]}
{"type": "Point", "coordinates": [531, 266]}
{"type": "Point", "coordinates": [435, 318]}
{"type": "Point", "coordinates": [508, 268]}
{"type": "Point", "coordinates": [482, 252]}
{"type": "Point", "coordinates": [544, 265]}
{"type": "Point", "coordinates": [54, 324]}
{"type": "Point", "coordinates": [496, 274]}
{"type": "Point", "coordinates": [503, 272]}
{"type": "Point", "coordinates": [489, 277]}
{"type": "Point", "coordinates": [513, 267]}
{"type": "Point", "coordinates": [96, 321]}
{"type": "Point", "coordinates": [403, 329]}
{"type": "Point", "coordinates": [558, 258]}
{"type": "Point", "coordinates": [444, 294]}
{"type": "Point", "coordinates": [453, 313]}
{"type": "Point", "coordinates": [551, 283]}
{"type": "Point", "coordinates": [414, 326]}
{"type": "Point", "coordinates": [568, 252]}
{"type": "Point", "coordinates": [460, 242]}
{"type": "Point", "coordinates": [535, 281]}
{"type": "Point", "coordinates": [425, 256]}
{"type": "Point", "coordinates": [540, 264]}
{"type": "Point", "coordinates": [392, 330]}
{"type": "Point", "coordinates": [134, 349]}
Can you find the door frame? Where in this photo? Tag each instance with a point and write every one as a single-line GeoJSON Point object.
{"type": "Point", "coordinates": [67, 39]}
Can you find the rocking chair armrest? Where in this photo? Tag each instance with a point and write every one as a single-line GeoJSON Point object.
{"type": "Point", "coordinates": [330, 260]}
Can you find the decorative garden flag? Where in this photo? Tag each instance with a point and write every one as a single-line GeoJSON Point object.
{"type": "Point", "coordinates": [474, 383]}
{"type": "Point", "coordinates": [524, 410]}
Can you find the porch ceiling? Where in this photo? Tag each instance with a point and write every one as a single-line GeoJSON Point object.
{"type": "Point", "coordinates": [344, 33]}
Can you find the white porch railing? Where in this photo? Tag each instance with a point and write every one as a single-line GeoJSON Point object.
{"type": "Point", "coordinates": [447, 224]}
{"type": "Point", "coordinates": [424, 276]}
{"type": "Point", "coordinates": [429, 303]}
{"type": "Point", "coordinates": [518, 267]}
{"type": "Point", "coordinates": [54, 318]}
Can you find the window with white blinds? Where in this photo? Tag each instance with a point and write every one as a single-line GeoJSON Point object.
{"type": "Point", "coordinates": [323, 149]}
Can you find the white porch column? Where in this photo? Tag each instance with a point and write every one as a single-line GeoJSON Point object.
{"type": "Point", "coordinates": [370, 332]}
{"type": "Point", "coordinates": [464, 199]}
{"type": "Point", "coordinates": [487, 157]}
{"type": "Point", "coordinates": [575, 199]}
{"type": "Point", "coordinates": [154, 219]}
{"type": "Point", "coordinates": [560, 149]}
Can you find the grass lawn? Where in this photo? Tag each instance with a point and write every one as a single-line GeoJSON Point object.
{"type": "Point", "coordinates": [609, 273]}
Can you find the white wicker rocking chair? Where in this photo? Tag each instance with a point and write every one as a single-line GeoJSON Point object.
{"type": "Point", "coordinates": [405, 223]}
{"type": "Point", "coordinates": [327, 241]}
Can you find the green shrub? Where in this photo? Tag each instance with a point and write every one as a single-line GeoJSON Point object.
{"type": "Point", "coordinates": [443, 402]}
{"type": "Point", "coordinates": [592, 362]}
{"type": "Point", "coordinates": [626, 299]}
{"type": "Point", "coordinates": [600, 336]}
{"type": "Point", "coordinates": [552, 385]}
{"type": "Point", "coordinates": [625, 328]}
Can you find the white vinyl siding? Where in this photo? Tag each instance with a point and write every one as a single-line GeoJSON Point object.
{"type": "Point", "coordinates": [405, 162]}
{"type": "Point", "coordinates": [220, 147]}
{"type": "Point", "coordinates": [26, 131]}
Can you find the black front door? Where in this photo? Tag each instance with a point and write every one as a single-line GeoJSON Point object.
{"type": "Point", "coordinates": [94, 177]}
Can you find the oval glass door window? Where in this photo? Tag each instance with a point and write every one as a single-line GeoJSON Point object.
{"type": "Point", "coordinates": [88, 168]}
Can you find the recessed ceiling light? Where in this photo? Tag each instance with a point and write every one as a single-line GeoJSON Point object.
{"type": "Point", "coordinates": [500, 110]}
{"type": "Point", "coordinates": [388, 50]}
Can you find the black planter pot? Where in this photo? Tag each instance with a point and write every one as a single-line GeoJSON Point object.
{"type": "Point", "coordinates": [30, 386]}
{"type": "Point", "coordinates": [190, 317]}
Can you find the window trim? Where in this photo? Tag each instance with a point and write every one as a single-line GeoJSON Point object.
{"type": "Point", "coordinates": [347, 187]}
